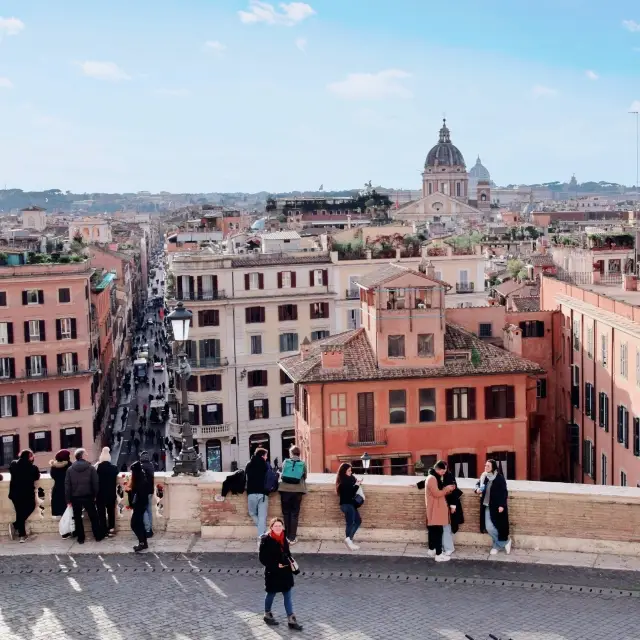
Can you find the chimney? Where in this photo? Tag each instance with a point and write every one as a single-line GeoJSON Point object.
{"type": "Point", "coordinates": [305, 348]}
{"type": "Point", "coordinates": [430, 270]}
{"type": "Point", "coordinates": [332, 357]}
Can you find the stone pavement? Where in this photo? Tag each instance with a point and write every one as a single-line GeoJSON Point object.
{"type": "Point", "coordinates": [206, 596]}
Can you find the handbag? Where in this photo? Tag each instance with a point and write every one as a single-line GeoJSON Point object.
{"type": "Point", "coordinates": [359, 497]}
{"type": "Point", "coordinates": [67, 525]}
{"type": "Point", "coordinates": [295, 569]}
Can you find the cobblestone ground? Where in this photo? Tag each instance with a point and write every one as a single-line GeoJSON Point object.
{"type": "Point", "coordinates": [205, 597]}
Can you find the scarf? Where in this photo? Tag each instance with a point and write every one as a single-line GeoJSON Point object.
{"type": "Point", "coordinates": [278, 538]}
{"type": "Point", "coordinates": [490, 477]}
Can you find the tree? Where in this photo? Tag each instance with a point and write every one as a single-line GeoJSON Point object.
{"type": "Point", "coordinates": [514, 267]}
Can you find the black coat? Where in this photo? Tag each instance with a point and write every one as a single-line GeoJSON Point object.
{"type": "Point", "coordinates": [347, 490]}
{"type": "Point", "coordinates": [107, 482]}
{"type": "Point", "coordinates": [256, 471]}
{"type": "Point", "coordinates": [276, 580]}
{"type": "Point", "coordinates": [22, 487]}
{"type": "Point", "coordinates": [58, 471]}
{"type": "Point", "coordinates": [453, 500]}
{"type": "Point", "coordinates": [498, 498]}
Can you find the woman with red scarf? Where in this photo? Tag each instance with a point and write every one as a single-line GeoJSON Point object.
{"type": "Point", "coordinates": [278, 572]}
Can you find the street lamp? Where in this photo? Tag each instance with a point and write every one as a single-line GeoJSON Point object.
{"type": "Point", "coordinates": [188, 461]}
{"type": "Point", "coordinates": [366, 461]}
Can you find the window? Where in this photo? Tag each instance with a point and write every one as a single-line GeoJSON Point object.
{"type": "Point", "coordinates": [318, 278]}
{"type": "Point", "coordinates": [194, 413]}
{"type": "Point", "coordinates": [589, 400]}
{"type": "Point", "coordinates": [64, 295]}
{"type": "Point", "coordinates": [604, 410]}
{"type": "Point", "coordinates": [638, 367]}
{"type": "Point", "coordinates": [575, 386]}
{"type": "Point", "coordinates": [541, 388]}
{"type": "Point", "coordinates": [259, 440]}
{"type": "Point", "coordinates": [463, 465]}
{"type": "Point", "coordinates": [7, 368]}
{"type": "Point", "coordinates": [254, 280]}
{"type": "Point", "coordinates": [6, 332]}
{"type": "Point", "coordinates": [576, 335]}
{"type": "Point", "coordinates": [604, 349]}
{"type": "Point", "coordinates": [284, 378]}
{"type": "Point", "coordinates": [396, 346]}
{"type": "Point", "coordinates": [399, 466]}
{"type": "Point", "coordinates": [36, 366]}
{"type": "Point", "coordinates": [211, 382]}
{"type": "Point", "coordinates": [319, 335]}
{"type": "Point", "coordinates": [425, 345]}
{"type": "Point", "coordinates": [212, 414]}
{"type": "Point", "coordinates": [366, 417]}
{"type": "Point", "coordinates": [209, 351]}
{"type": "Point", "coordinates": [590, 342]}
{"type": "Point", "coordinates": [506, 461]}
{"type": "Point", "coordinates": [428, 460]}
{"type": "Point", "coordinates": [319, 310]}
{"type": "Point", "coordinates": [256, 344]}
{"type": "Point", "coordinates": [338, 403]}
{"type": "Point", "coordinates": [305, 405]}
{"type": "Point", "coordinates": [286, 406]}
{"type": "Point", "coordinates": [397, 406]}
{"type": "Point", "coordinates": [40, 441]}
{"type": "Point", "coordinates": [209, 318]}
{"type": "Point", "coordinates": [258, 409]}
{"type": "Point", "coordinates": [257, 378]}
{"type": "Point", "coordinates": [353, 319]}
{"type": "Point", "coordinates": [532, 329]}
{"type": "Point", "coordinates": [427, 405]}
{"type": "Point", "coordinates": [9, 448]}
{"type": "Point", "coordinates": [66, 329]}
{"type": "Point", "coordinates": [624, 359]}
{"type": "Point", "coordinates": [288, 342]}
{"type": "Point", "coordinates": [71, 437]}
{"type": "Point", "coordinates": [67, 362]}
{"type": "Point", "coordinates": [69, 399]}
{"type": "Point", "coordinates": [603, 469]}
{"type": "Point", "coordinates": [500, 402]}
{"type": "Point", "coordinates": [33, 296]}
{"type": "Point", "coordinates": [461, 403]}
{"type": "Point", "coordinates": [287, 312]}
{"type": "Point", "coordinates": [623, 426]}
{"type": "Point", "coordinates": [38, 403]}
{"type": "Point", "coordinates": [588, 458]}
{"type": "Point", "coordinates": [3, 298]}
{"type": "Point", "coordinates": [286, 280]}
{"type": "Point", "coordinates": [8, 406]}
{"type": "Point", "coordinates": [254, 314]}
{"type": "Point", "coordinates": [485, 330]}
{"type": "Point", "coordinates": [34, 331]}
{"type": "Point", "coordinates": [623, 479]}
{"type": "Point", "coordinates": [636, 436]}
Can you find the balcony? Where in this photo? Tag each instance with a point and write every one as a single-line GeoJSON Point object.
{"type": "Point", "coordinates": [464, 287]}
{"type": "Point", "coordinates": [202, 296]}
{"type": "Point", "coordinates": [201, 363]}
{"type": "Point", "coordinates": [202, 432]}
{"type": "Point", "coordinates": [59, 372]}
{"type": "Point", "coordinates": [367, 438]}
{"type": "Point", "coordinates": [352, 294]}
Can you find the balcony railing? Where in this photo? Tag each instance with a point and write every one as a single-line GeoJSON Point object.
{"type": "Point", "coordinates": [39, 374]}
{"type": "Point", "coordinates": [201, 363]}
{"type": "Point", "coordinates": [202, 432]}
{"type": "Point", "coordinates": [352, 294]}
{"type": "Point", "coordinates": [464, 287]}
{"type": "Point", "coordinates": [367, 438]}
{"type": "Point", "coordinates": [202, 295]}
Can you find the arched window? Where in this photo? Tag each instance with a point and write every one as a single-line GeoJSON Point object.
{"type": "Point", "coordinates": [483, 197]}
{"type": "Point", "coordinates": [214, 455]}
{"type": "Point", "coordinates": [458, 190]}
{"type": "Point", "coordinates": [257, 440]}
{"type": "Point", "coordinates": [288, 440]}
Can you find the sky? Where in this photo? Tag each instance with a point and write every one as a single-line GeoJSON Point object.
{"type": "Point", "coordinates": [244, 95]}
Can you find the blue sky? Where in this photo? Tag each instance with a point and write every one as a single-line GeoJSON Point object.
{"type": "Point", "coordinates": [239, 95]}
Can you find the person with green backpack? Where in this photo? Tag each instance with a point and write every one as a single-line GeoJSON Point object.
{"type": "Point", "coordinates": [292, 488]}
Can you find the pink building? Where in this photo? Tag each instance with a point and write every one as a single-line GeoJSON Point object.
{"type": "Point", "coordinates": [45, 360]}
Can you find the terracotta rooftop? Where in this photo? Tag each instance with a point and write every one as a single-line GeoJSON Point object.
{"type": "Point", "coordinates": [266, 259]}
{"type": "Point", "coordinates": [391, 271]}
{"type": "Point", "coordinates": [526, 304]}
{"type": "Point", "coordinates": [542, 260]}
{"type": "Point", "coordinates": [360, 362]}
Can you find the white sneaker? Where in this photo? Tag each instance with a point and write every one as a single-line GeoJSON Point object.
{"type": "Point", "coordinates": [259, 539]}
{"type": "Point", "coordinates": [350, 544]}
{"type": "Point", "coordinates": [507, 547]}
{"type": "Point", "coordinates": [442, 558]}
{"type": "Point", "coordinates": [431, 553]}
{"type": "Point", "coordinates": [494, 552]}
{"type": "Point", "coordinates": [355, 546]}
{"type": "Point", "coordinates": [448, 552]}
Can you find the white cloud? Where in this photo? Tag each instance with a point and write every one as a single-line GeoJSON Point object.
{"type": "Point", "coordinates": [635, 106]}
{"type": "Point", "coordinates": [104, 71]}
{"type": "Point", "coordinates": [540, 91]}
{"type": "Point", "coordinates": [301, 43]}
{"type": "Point", "coordinates": [290, 13]}
{"type": "Point", "coordinates": [10, 26]}
{"type": "Point", "coordinates": [214, 45]}
{"type": "Point", "coordinates": [592, 75]}
{"type": "Point", "coordinates": [372, 86]}
{"type": "Point", "coordinates": [5, 83]}
{"type": "Point", "coordinates": [631, 25]}
{"type": "Point", "coordinates": [177, 93]}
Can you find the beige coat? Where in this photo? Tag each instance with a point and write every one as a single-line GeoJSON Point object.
{"type": "Point", "coordinates": [437, 508]}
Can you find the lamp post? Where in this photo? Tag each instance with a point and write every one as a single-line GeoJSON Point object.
{"type": "Point", "coordinates": [366, 461]}
{"type": "Point", "coordinates": [188, 461]}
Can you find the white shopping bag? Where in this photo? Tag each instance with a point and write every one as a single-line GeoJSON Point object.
{"type": "Point", "coordinates": [67, 525]}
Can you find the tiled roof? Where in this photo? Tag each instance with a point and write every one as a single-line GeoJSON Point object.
{"type": "Point", "coordinates": [508, 286]}
{"type": "Point", "coordinates": [389, 272]}
{"type": "Point", "coordinates": [360, 362]}
{"type": "Point", "coordinates": [266, 259]}
{"type": "Point", "coordinates": [281, 235]}
{"type": "Point", "coordinates": [526, 304]}
{"type": "Point", "coordinates": [542, 260]}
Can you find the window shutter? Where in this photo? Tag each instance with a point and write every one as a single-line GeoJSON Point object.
{"type": "Point", "coordinates": [449, 399]}
{"type": "Point", "coordinates": [473, 464]}
{"type": "Point", "coordinates": [12, 368]}
{"type": "Point", "coordinates": [311, 280]}
{"type": "Point", "coordinates": [44, 363]}
{"type": "Point", "coordinates": [471, 394]}
{"type": "Point", "coordinates": [179, 287]}
{"type": "Point", "coordinates": [312, 311]}
{"type": "Point", "coordinates": [220, 415]}
{"type": "Point", "coordinates": [196, 414]}
{"type": "Point", "coordinates": [263, 378]}
{"type": "Point", "coordinates": [511, 402]}
{"type": "Point", "coordinates": [625, 428]}
{"type": "Point", "coordinates": [30, 406]}
{"type": "Point", "coordinates": [294, 312]}
{"type": "Point", "coordinates": [636, 436]}
{"type": "Point", "coordinates": [325, 277]}
{"type": "Point", "coordinates": [252, 411]}
{"type": "Point", "coordinates": [279, 279]}
{"type": "Point", "coordinates": [46, 401]}
{"type": "Point", "coordinates": [58, 329]}
{"type": "Point", "coordinates": [217, 383]}
{"type": "Point", "coordinates": [247, 315]}
{"type": "Point", "coordinates": [10, 332]}
{"type": "Point", "coordinates": [601, 409]}
{"type": "Point", "coordinates": [283, 407]}
{"type": "Point", "coordinates": [281, 313]}
{"type": "Point", "coordinates": [24, 298]}
{"type": "Point", "coordinates": [523, 328]}
{"type": "Point", "coordinates": [191, 286]}
{"type": "Point", "coordinates": [199, 285]}
{"type": "Point", "coordinates": [74, 360]}
{"type": "Point", "coordinates": [619, 425]}
{"type": "Point", "coordinates": [26, 331]}
{"type": "Point", "coordinates": [32, 440]}
{"type": "Point", "coordinates": [488, 404]}
{"type": "Point", "coordinates": [16, 438]}
{"type": "Point", "coordinates": [246, 281]}
{"type": "Point", "coordinates": [74, 331]}
{"type": "Point", "coordinates": [261, 281]}
{"type": "Point", "coordinates": [76, 398]}
{"type": "Point", "coordinates": [27, 365]}
{"type": "Point", "coordinates": [261, 314]}
{"type": "Point", "coordinates": [325, 309]}
{"type": "Point", "coordinates": [42, 331]}
{"type": "Point", "coordinates": [202, 350]}
{"type": "Point", "coordinates": [59, 362]}
{"type": "Point", "coordinates": [200, 317]}
{"type": "Point", "coordinates": [214, 282]}
{"type": "Point", "coordinates": [40, 296]}
{"type": "Point", "coordinates": [47, 438]}
{"type": "Point", "coordinates": [511, 466]}
{"type": "Point", "coordinates": [540, 328]}
{"type": "Point", "coordinates": [265, 408]}
{"type": "Point", "coordinates": [216, 318]}
{"type": "Point", "coordinates": [293, 279]}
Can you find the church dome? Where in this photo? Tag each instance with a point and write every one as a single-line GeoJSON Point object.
{"type": "Point", "coordinates": [479, 172]}
{"type": "Point", "coordinates": [444, 154]}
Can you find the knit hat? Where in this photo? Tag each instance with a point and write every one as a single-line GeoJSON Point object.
{"type": "Point", "coordinates": [105, 456]}
{"type": "Point", "coordinates": [144, 457]}
{"type": "Point", "coordinates": [64, 455]}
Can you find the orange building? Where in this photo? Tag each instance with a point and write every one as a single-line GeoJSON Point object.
{"type": "Point", "coordinates": [410, 387]}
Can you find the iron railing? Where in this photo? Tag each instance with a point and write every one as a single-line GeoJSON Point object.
{"type": "Point", "coordinates": [202, 295]}
{"type": "Point", "coordinates": [352, 294]}
{"type": "Point", "coordinates": [367, 438]}
{"type": "Point", "coordinates": [464, 287]}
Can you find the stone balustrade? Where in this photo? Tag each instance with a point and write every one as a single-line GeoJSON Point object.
{"type": "Point", "coordinates": [551, 516]}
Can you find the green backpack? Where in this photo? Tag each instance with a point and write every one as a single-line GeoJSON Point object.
{"type": "Point", "coordinates": [292, 471]}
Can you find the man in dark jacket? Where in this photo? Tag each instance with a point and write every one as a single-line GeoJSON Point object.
{"type": "Point", "coordinates": [147, 465]}
{"type": "Point", "coordinates": [106, 500]}
{"type": "Point", "coordinates": [22, 492]}
{"type": "Point", "coordinates": [81, 490]}
{"type": "Point", "coordinates": [257, 499]}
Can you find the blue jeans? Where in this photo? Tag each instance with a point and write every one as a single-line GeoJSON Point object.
{"type": "Point", "coordinates": [352, 520]}
{"type": "Point", "coordinates": [148, 515]}
{"type": "Point", "coordinates": [492, 531]}
{"type": "Point", "coordinates": [258, 505]}
{"type": "Point", "coordinates": [447, 538]}
{"type": "Point", "coordinates": [288, 602]}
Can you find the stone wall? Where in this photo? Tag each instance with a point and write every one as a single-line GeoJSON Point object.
{"type": "Point", "coordinates": [550, 516]}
